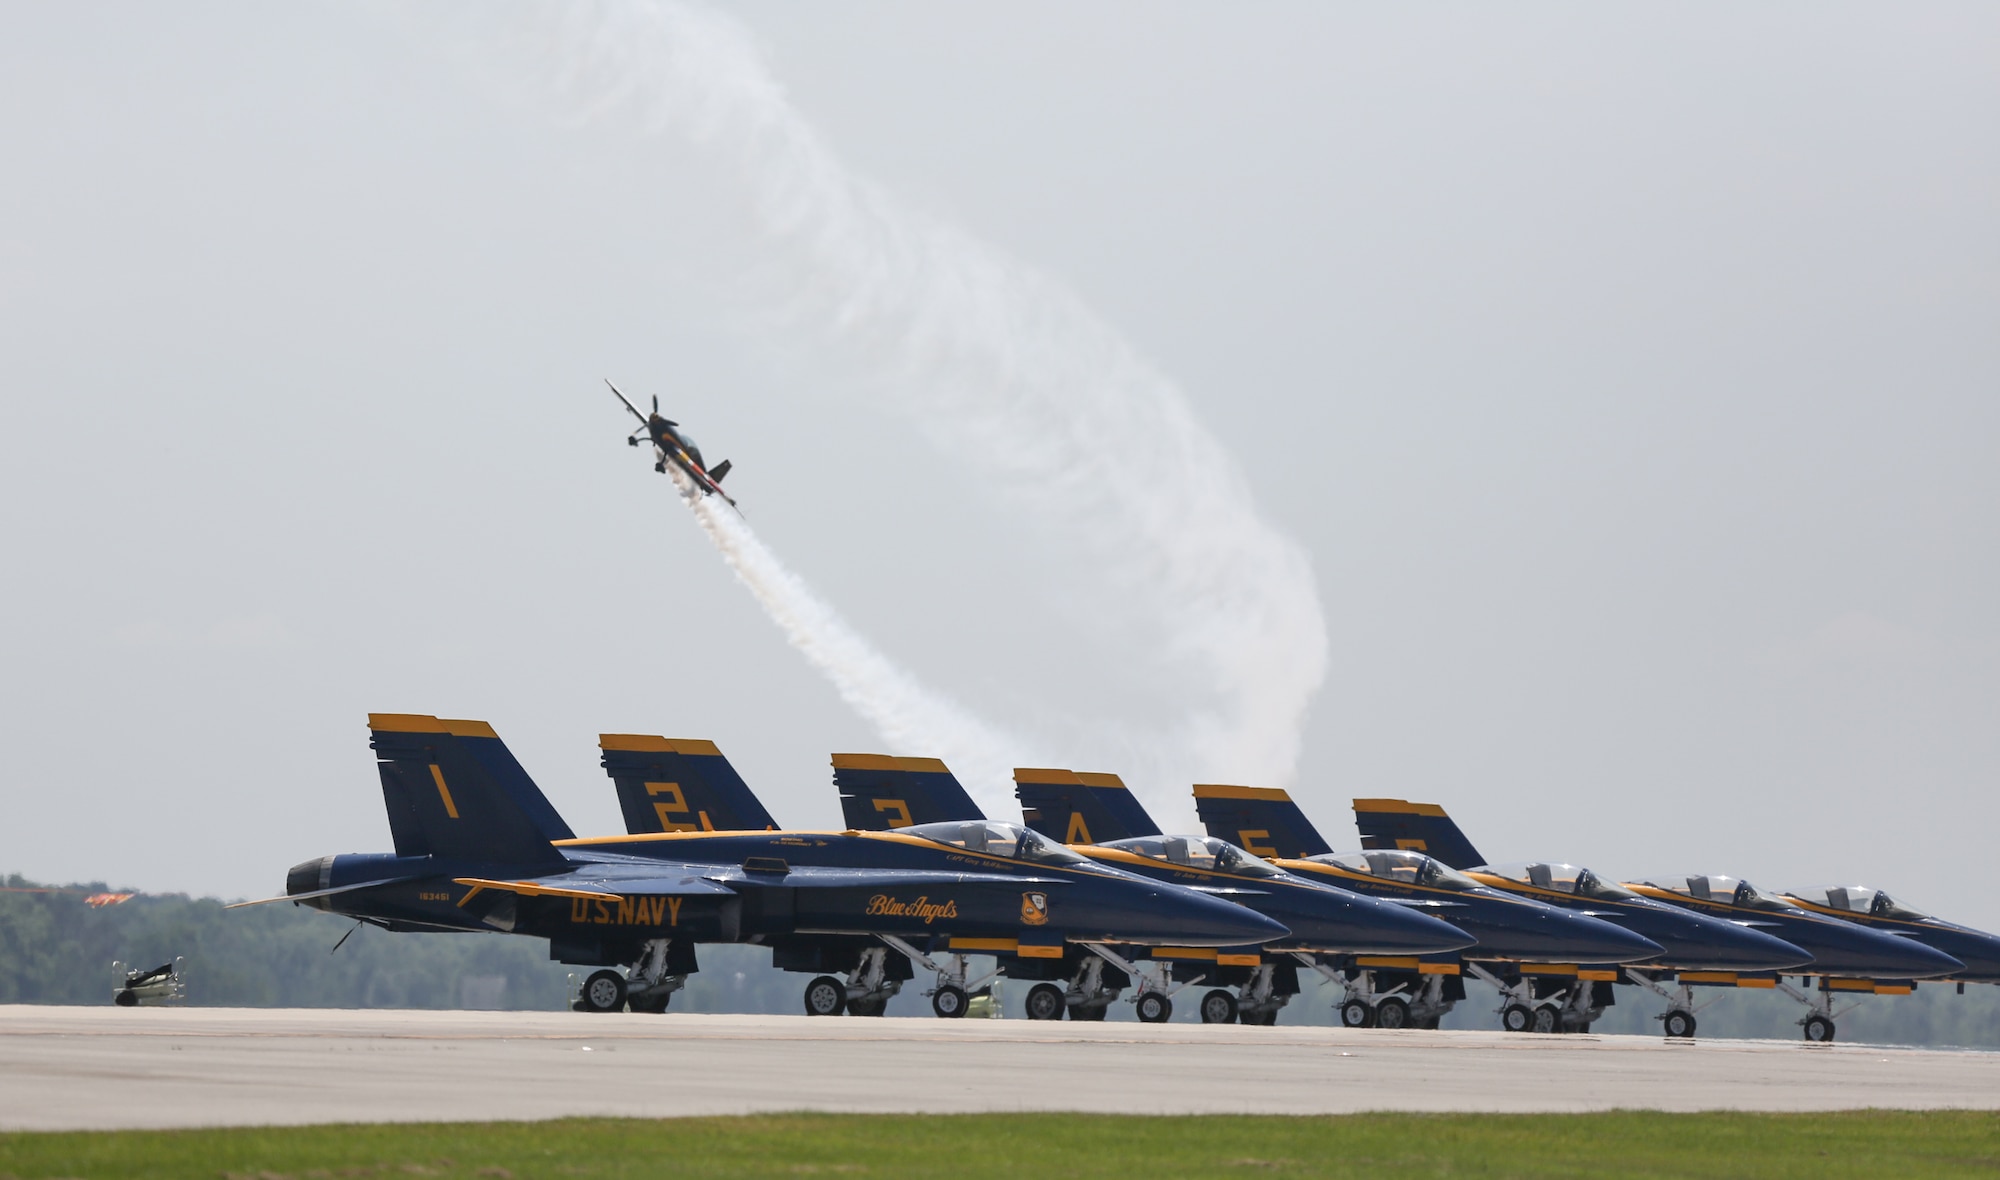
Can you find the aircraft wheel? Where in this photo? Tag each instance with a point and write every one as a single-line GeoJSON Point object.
{"type": "Point", "coordinates": [1680, 1025]}
{"type": "Point", "coordinates": [1392, 1013]}
{"type": "Point", "coordinates": [1357, 1014]}
{"type": "Point", "coordinates": [1548, 1019]}
{"type": "Point", "coordinates": [950, 1002]}
{"type": "Point", "coordinates": [1428, 1023]}
{"type": "Point", "coordinates": [867, 1007]}
{"type": "Point", "coordinates": [1218, 1007]}
{"type": "Point", "coordinates": [1046, 1001]}
{"type": "Point", "coordinates": [1155, 1008]}
{"type": "Point", "coordinates": [1819, 1029]}
{"type": "Point", "coordinates": [825, 996]}
{"type": "Point", "coordinates": [651, 1004]}
{"type": "Point", "coordinates": [1517, 1018]}
{"type": "Point", "coordinates": [604, 991]}
{"type": "Point", "coordinates": [1090, 1012]}
{"type": "Point", "coordinates": [126, 998]}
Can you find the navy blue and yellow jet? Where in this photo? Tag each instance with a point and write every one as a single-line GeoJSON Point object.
{"type": "Point", "coordinates": [877, 790]}
{"type": "Point", "coordinates": [673, 445]}
{"type": "Point", "coordinates": [1865, 906]}
{"type": "Point", "coordinates": [1521, 940]}
{"type": "Point", "coordinates": [478, 847]}
{"type": "Point", "coordinates": [681, 784]}
{"type": "Point", "coordinates": [1701, 950]}
{"type": "Point", "coordinates": [1845, 959]}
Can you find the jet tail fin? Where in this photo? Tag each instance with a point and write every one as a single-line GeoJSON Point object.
{"type": "Point", "coordinates": [879, 792]}
{"type": "Point", "coordinates": [1420, 827]}
{"type": "Point", "coordinates": [1080, 808]}
{"type": "Point", "coordinates": [1262, 820]}
{"type": "Point", "coordinates": [453, 789]}
{"type": "Point", "coordinates": [679, 785]}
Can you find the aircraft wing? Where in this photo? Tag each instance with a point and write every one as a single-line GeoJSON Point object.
{"type": "Point", "coordinates": [602, 886]}
{"type": "Point", "coordinates": [237, 905]}
{"type": "Point", "coordinates": [815, 877]}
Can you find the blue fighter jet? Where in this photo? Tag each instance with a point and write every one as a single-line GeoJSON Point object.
{"type": "Point", "coordinates": [478, 847]}
{"type": "Point", "coordinates": [1700, 949]}
{"type": "Point", "coordinates": [1526, 947]}
{"type": "Point", "coordinates": [1845, 959]}
{"type": "Point", "coordinates": [1322, 920]}
{"type": "Point", "coordinates": [1978, 950]}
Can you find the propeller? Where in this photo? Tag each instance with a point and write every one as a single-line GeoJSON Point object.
{"type": "Point", "coordinates": [656, 403]}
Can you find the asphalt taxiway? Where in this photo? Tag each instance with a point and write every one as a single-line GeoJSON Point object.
{"type": "Point", "coordinates": [93, 1068]}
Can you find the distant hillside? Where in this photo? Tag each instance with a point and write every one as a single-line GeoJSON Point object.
{"type": "Point", "coordinates": [55, 949]}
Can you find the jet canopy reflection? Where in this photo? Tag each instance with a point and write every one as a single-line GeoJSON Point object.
{"type": "Point", "coordinates": [1198, 852]}
{"type": "Point", "coordinates": [1860, 899]}
{"type": "Point", "coordinates": [997, 839]}
{"type": "Point", "coordinates": [1724, 891]}
{"type": "Point", "coordinates": [1561, 878]}
{"type": "Point", "coordinates": [1404, 868]}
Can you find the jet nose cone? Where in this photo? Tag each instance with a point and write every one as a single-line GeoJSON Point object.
{"type": "Point", "coordinates": [1593, 940]}
{"type": "Point", "coordinates": [1859, 951]}
{"type": "Point", "coordinates": [1202, 920]}
{"type": "Point", "coordinates": [1930, 961]}
{"type": "Point", "coordinates": [1740, 948]}
{"type": "Point", "coordinates": [1372, 926]}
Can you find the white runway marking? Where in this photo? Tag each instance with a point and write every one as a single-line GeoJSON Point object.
{"type": "Point", "coordinates": [95, 1068]}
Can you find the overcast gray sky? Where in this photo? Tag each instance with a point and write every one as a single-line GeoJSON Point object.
{"type": "Point", "coordinates": [1630, 378]}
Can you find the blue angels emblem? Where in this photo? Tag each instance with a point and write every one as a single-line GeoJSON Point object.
{"type": "Point", "coordinates": [1035, 908]}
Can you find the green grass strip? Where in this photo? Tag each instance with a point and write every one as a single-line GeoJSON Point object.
{"type": "Point", "coordinates": [1623, 1144]}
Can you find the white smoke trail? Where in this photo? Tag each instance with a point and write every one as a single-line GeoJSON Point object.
{"type": "Point", "coordinates": [986, 355]}
{"type": "Point", "coordinates": [909, 716]}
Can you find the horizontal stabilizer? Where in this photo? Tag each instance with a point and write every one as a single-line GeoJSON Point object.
{"type": "Point", "coordinates": [719, 470]}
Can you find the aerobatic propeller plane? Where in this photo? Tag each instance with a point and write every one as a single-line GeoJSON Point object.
{"type": "Point", "coordinates": [478, 847]}
{"type": "Point", "coordinates": [671, 444]}
{"type": "Point", "coordinates": [1721, 951]}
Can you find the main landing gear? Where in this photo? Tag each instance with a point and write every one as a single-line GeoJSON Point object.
{"type": "Point", "coordinates": [1544, 1005]}
{"type": "Point", "coordinates": [1086, 997]}
{"type": "Point", "coordinates": [1256, 1002]}
{"type": "Point", "coordinates": [1154, 999]}
{"type": "Point", "coordinates": [661, 970]}
{"type": "Point", "coordinates": [1371, 999]}
{"type": "Point", "coordinates": [865, 992]}
{"type": "Point", "coordinates": [952, 997]}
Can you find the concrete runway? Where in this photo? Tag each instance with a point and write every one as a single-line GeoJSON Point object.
{"type": "Point", "coordinates": [90, 1068]}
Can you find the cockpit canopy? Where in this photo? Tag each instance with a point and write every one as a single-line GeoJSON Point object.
{"type": "Point", "coordinates": [1198, 852]}
{"type": "Point", "coordinates": [996, 839]}
{"type": "Point", "coordinates": [1726, 890]}
{"type": "Point", "coordinates": [1859, 899]}
{"type": "Point", "coordinates": [1562, 878]}
{"type": "Point", "coordinates": [1404, 868]}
